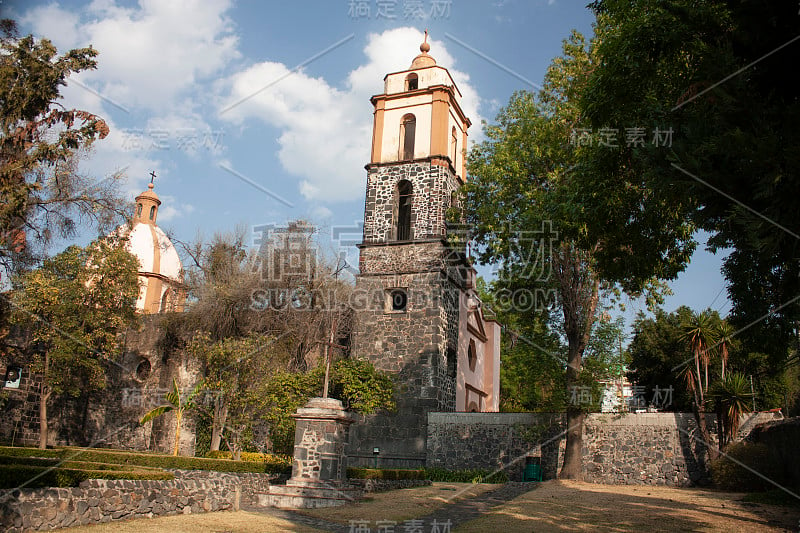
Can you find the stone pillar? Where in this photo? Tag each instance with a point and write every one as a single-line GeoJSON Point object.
{"type": "Point", "coordinates": [319, 470]}
{"type": "Point", "coordinates": [319, 442]}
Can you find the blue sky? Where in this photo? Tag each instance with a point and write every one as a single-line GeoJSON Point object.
{"type": "Point", "coordinates": [207, 95]}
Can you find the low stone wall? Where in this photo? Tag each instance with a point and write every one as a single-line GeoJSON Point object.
{"type": "Point", "coordinates": [99, 500]}
{"type": "Point", "coordinates": [460, 441]}
{"type": "Point", "coordinates": [383, 485]}
{"type": "Point", "coordinates": [646, 448]}
{"type": "Point", "coordinates": [643, 449]}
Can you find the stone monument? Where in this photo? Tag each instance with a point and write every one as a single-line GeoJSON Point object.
{"type": "Point", "coordinates": [319, 470]}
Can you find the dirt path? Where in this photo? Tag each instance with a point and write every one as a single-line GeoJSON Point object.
{"type": "Point", "coordinates": [574, 506]}
{"type": "Point", "coordinates": [552, 506]}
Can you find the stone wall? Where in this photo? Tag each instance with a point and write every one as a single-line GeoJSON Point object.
{"type": "Point", "coordinates": [100, 501]}
{"type": "Point", "coordinates": [461, 441]}
{"type": "Point", "coordinates": [136, 381]}
{"type": "Point", "coordinates": [647, 448]}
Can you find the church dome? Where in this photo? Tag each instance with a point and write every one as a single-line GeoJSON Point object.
{"type": "Point", "coordinates": [155, 252]}
{"type": "Point", "coordinates": [160, 270]}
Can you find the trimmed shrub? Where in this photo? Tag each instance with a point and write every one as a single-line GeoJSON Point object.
{"type": "Point", "coordinates": [142, 459]}
{"type": "Point", "coordinates": [385, 473]}
{"type": "Point", "coordinates": [31, 476]}
{"type": "Point", "coordinates": [475, 475]}
{"type": "Point", "coordinates": [433, 474]}
{"type": "Point", "coordinates": [729, 473]}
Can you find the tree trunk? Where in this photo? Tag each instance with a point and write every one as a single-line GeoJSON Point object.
{"type": "Point", "coordinates": [573, 453]}
{"type": "Point", "coordinates": [705, 435]}
{"type": "Point", "coordinates": [43, 418]}
{"type": "Point", "coordinates": [218, 423]}
{"type": "Point", "coordinates": [178, 415]}
{"type": "Point", "coordinates": [578, 319]}
{"type": "Point", "coordinates": [44, 395]}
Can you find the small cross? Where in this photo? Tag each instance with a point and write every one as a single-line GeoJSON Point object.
{"type": "Point", "coordinates": [153, 176]}
{"type": "Point", "coordinates": [426, 35]}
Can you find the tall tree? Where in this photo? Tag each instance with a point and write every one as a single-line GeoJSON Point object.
{"type": "Point", "coordinates": [526, 204]}
{"type": "Point", "coordinates": [713, 76]}
{"type": "Point", "coordinates": [41, 142]}
{"type": "Point", "coordinates": [74, 307]}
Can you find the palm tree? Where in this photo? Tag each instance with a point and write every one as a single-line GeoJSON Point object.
{"type": "Point", "coordinates": [700, 335]}
{"type": "Point", "coordinates": [732, 396]}
{"type": "Point", "coordinates": [725, 334]}
{"type": "Point", "coordinates": [177, 404]}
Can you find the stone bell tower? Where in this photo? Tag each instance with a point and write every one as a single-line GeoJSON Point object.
{"type": "Point", "coordinates": [410, 278]}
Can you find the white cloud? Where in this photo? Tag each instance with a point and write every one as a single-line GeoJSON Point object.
{"type": "Point", "coordinates": [326, 131]}
{"type": "Point", "coordinates": [148, 55]}
{"type": "Point", "coordinates": [156, 60]}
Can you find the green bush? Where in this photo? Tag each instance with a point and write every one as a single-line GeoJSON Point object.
{"type": "Point", "coordinates": [272, 463]}
{"type": "Point", "coordinates": [32, 476]}
{"type": "Point", "coordinates": [79, 465]}
{"type": "Point", "coordinates": [142, 459]}
{"type": "Point", "coordinates": [385, 473]}
{"type": "Point", "coordinates": [729, 474]}
{"type": "Point", "coordinates": [433, 474]}
{"type": "Point", "coordinates": [475, 475]}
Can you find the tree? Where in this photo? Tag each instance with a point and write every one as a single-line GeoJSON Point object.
{"type": "Point", "coordinates": [74, 307]}
{"type": "Point", "coordinates": [360, 387]}
{"type": "Point", "coordinates": [700, 336]}
{"type": "Point", "coordinates": [656, 351]}
{"type": "Point", "coordinates": [232, 368]}
{"type": "Point", "coordinates": [177, 403]}
{"type": "Point", "coordinates": [526, 172]}
{"type": "Point", "coordinates": [41, 143]}
{"type": "Point", "coordinates": [714, 75]}
{"type": "Point", "coordinates": [732, 396]}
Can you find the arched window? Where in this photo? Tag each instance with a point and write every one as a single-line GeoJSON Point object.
{"type": "Point", "coordinates": [138, 210]}
{"type": "Point", "coordinates": [408, 126]}
{"type": "Point", "coordinates": [404, 197]}
{"type": "Point", "coordinates": [453, 145]}
{"type": "Point", "coordinates": [152, 212]}
{"type": "Point", "coordinates": [412, 82]}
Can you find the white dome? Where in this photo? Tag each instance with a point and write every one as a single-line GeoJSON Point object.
{"type": "Point", "coordinates": [155, 251]}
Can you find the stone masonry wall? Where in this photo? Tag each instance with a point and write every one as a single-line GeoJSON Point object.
{"type": "Point", "coordinates": [641, 449]}
{"type": "Point", "coordinates": [100, 501]}
{"type": "Point", "coordinates": [136, 381]}
{"type": "Point", "coordinates": [433, 185]}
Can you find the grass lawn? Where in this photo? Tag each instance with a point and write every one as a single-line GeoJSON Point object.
{"type": "Point", "coordinates": [219, 522]}
{"type": "Point", "coordinates": [403, 504]}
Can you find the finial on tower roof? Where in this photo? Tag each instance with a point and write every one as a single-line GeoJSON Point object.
{"type": "Point", "coordinates": [423, 60]}
{"type": "Point", "coordinates": [425, 47]}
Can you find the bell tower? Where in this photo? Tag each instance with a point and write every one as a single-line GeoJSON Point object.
{"type": "Point", "coordinates": [410, 277]}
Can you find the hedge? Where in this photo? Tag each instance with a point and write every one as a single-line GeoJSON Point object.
{"type": "Point", "coordinates": [476, 475]}
{"type": "Point", "coordinates": [433, 474]}
{"type": "Point", "coordinates": [79, 465]}
{"type": "Point", "coordinates": [253, 457]}
{"type": "Point", "coordinates": [385, 473]}
{"type": "Point", "coordinates": [31, 476]}
{"type": "Point", "coordinates": [141, 459]}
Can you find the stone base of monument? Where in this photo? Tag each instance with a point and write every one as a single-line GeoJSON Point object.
{"type": "Point", "coordinates": [307, 496]}
{"type": "Point", "coordinates": [319, 467]}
